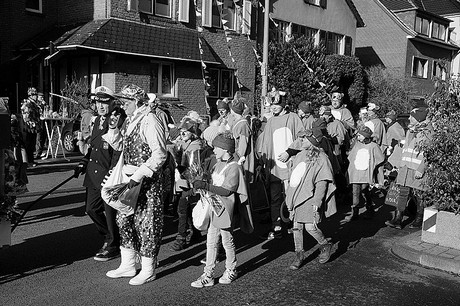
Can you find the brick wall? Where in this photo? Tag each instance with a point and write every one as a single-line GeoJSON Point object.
{"type": "Point", "coordinates": [71, 11]}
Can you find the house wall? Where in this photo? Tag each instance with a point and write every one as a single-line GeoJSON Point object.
{"type": "Point", "coordinates": [455, 36]}
{"type": "Point", "coordinates": [71, 11]}
{"type": "Point", "coordinates": [337, 17]}
{"type": "Point", "coordinates": [385, 39]}
{"type": "Point", "coordinates": [429, 52]}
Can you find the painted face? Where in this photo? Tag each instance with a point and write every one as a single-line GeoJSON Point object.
{"type": "Point", "coordinates": [185, 135]}
{"type": "Point", "coordinates": [129, 106]}
{"type": "Point", "coordinates": [276, 109]}
{"type": "Point", "coordinates": [102, 109]}
{"type": "Point", "coordinates": [223, 112]}
{"type": "Point", "coordinates": [219, 152]}
{"type": "Point", "coordinates": [336, 100]}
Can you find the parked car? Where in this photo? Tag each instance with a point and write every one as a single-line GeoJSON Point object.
{"type": "Point", "coordinates": [69, 135]}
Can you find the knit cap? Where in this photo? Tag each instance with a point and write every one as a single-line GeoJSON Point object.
{"type": "Point", "coordinates": [306, 107]}
{"type": "Point", "coordinates": [365, 131]}
{"type": "Point", "coordinates": [419, 113]}
{"type": "Point", "coordinates": [225, 141]}
{"type": "Point", "coordinates": [222, 104]}
{"type": "Point", "coordinates": [238, 105]}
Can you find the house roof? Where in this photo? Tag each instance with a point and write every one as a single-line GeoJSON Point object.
{"type": "Point", "coordinates": [359, 20]}
{"type": "Point", "coordinates": [127, 37]}
{"type": "Point", "coordinates": [437, 7]}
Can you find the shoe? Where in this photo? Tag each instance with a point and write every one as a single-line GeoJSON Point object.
{"type": "Point", "coordinates": [275, 234]}
{"type": "Point", "coordinates": [43, 154]}
{"type": "Point", "coordinates": [353, 215]}
{"type": "Point", "coordinates": [106, 255]}
{"type": "Point", "coordinates": [325, 254]}
{"type": "Point", "coordinates": [127, 266]}
{"type": "Point", "coordinates": [396, 221]}
{"type": "Point", "coordinates": [103, 248]}
{"type": "Point", "coordinates": [147, 273]}
{"type": "Point", "coordinates": [203, 281]}
{"type": "Point", "coordinates": [228, 277]}
{"type": "Point", "coordinates": [179, 244]}
{"type": "Point", "coordinates": [299, 258]}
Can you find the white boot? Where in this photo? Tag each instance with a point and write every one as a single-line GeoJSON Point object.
{"type": "Point", "coordinates": [127, 266]}
{"type": "Point", "coordinates": [147, 273]}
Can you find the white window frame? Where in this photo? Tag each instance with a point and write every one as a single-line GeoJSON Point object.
{"type": "Point", "coordinates": [184, 10]}
{"type": "Point", "coordinates": [160, 78]}
{"type": "Point", "coordinates": [40, 7]}
{"type": "Point", "coordinates": [153, 9]}
{"type": "Point", "coordinates": [246, 22]}
{"type": "Point", "coordinates": [207, 16]}
{"type": "Point", "coordinates": [425, 68]}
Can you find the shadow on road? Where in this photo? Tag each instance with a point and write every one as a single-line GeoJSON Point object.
{"type": "Point", "coordinates": [47, 252]}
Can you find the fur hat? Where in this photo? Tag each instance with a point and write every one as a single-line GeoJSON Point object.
{"type": "Point", "coordinates": [225, 141]}
{"type": "Point", "coordinates": [365, 131]}
{"type": "Point", "coordinates": [306, 107]}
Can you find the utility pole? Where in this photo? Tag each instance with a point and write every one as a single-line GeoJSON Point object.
{"type": "Point", "coordinates": [264, 67]}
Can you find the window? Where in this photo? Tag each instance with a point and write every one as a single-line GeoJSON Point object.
{"type": "Point", "coordinates": [321, 3]}
{"type": "Point", "coordinates": [422, 25]}
{"type": "Point", "coordinates": [348, 45]}
{"type": "Point", "coordinates": [438, 31]}
{"type": "Point", "coordinates": [212, 14]}
{"type": "Point", "coordinates": [220, 83]}
{"type": "Point", "coordinates": [162, 79]}
{"type": "Point", "coordinates": [34, 6]}
{"type": "Point", "coordinates": [156, 7]}
{"type": "Point", "coordinates": [419, 67]}
{"type": "Point", "coordinates": [439, 70]}
{"type": "Point", "coordinates": [184, 10]}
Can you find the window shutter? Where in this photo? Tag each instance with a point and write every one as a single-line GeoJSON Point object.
{"type": "Point", "coordinates": [133, 5]}
{"type": "Point", "coordinates": [247, 7]}
{"type": "Point", "coordinates": [323, 3]}
{"type": "Point", "coordinates": [206, 13]}
{"type": "Point", "coordinates": [184, 10]}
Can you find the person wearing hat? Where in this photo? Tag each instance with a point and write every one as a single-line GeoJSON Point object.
{"type": "Point", "coordinates": [30, 111]}
{"type": "Point", "coordinates": [99, 159]}
{"type": "Point", "coordinates": [336, 131]}
{"type": "Point", "coordinates": [310, 195]}
{"type": "Point", "coordinates": [188, 158]}
{"type": "Point", "coordinates": [41, 135]}
{"type": "Point", "coordinates": [228, 185]}
{"type": "Point", "coordinates": [340, 111]}
{"type": "Point", "coordinates": [142, 139]}
{"type": "Point", "coordinates": [223, 110]}
{"type": "Point", "coordinates": [305, 112]}
{"type": "Point", "coordinates": [279, 133]}
{"type": "Point", "coordinates": [364, 170]}
{"type": "Point", "coordinates": [242, 134]}
{"type": "Point", "coordinates": [412, 167]}
{"type": "Point", "coordinates": [379, 133]}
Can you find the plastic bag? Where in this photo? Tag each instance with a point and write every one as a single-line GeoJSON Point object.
{"type": "Point", "coordinates": [200, 215]}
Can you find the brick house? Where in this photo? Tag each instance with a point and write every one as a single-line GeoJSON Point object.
{"type": "Point", "coordinates": [332, 23]}
{"type": "Point", "coordinates": [152, 43]}
{"type": "Point", "coordinates": [405, 36]}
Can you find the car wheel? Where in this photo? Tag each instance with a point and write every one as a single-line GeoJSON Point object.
{"type": "Point", "coordinates": [68, 143]}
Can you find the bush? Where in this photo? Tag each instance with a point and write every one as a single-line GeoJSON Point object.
{"type": "Point", "coordinates": [442, 153]}
{"type": "Point", "coordinates": [287, 72]}
{"type": "Point", "coordinates": [388, 89]}
{"type": "Point", "coordinates": [77, 90]}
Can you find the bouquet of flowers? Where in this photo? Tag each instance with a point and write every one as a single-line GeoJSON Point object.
{"type": "Point", "coordinates": [214, 201]}
{"type": "Point", "coordinates": [114, 192]}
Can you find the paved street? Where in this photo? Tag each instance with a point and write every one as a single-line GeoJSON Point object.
{"type": "Point", "coordinates": [50, 263]}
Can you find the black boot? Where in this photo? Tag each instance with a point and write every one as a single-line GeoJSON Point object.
{"type": "Point", "coordinates": [179, 244]}
{"type": "Point", "coordinates": [299, 258]}
{"type": "Point", "coordinates": [396, 221]}
{"type": "Point", "coordinates": [418, 221]}
{"type": "Point", "coordinates": [353, 214]}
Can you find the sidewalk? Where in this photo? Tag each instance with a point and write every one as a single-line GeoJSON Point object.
{"type": "Point", "coordinates": [412, 248]}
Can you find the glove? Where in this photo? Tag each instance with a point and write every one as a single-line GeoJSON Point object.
{"type": "Point", "coordinates": [80, 169]}
{"type": "Point", "coordinates": [132, 183]}
{"type": "Point", "coordinates": [200, 185]}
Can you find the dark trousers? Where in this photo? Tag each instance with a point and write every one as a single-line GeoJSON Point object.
{"type": "Point", "coordinates": [103, 217]}
{"type": "Point", "coordinates": [31, 142]}
{"type": "Point", "coordinates": [184, 211]}
{"type": "Point", "coordinates": [276, 199]}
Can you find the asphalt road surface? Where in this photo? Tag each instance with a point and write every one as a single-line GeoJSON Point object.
{"type": "Point", "coordinates": [50, 263]}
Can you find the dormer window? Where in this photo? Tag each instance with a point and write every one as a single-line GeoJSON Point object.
{"type": "Point", "coordinates": [438, 31]}
{"type": "Point", "coordinates": [422, 26]}
{"type": "Point", "coordinates": [156, 7]}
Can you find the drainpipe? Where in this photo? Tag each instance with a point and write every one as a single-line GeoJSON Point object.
{"type": "Point", "coordinates": [264, 67]}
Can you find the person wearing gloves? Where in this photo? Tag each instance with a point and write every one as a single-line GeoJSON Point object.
{"type": "Point", "coordinates": [228, 184]}
{"type": "Point", "coordinates": [244, 144]}
{"type": "Point", "coordinates": [142, 140]}
{"type": "Point", "coordinates": [99, 159]}
{"type": "Point", "coordinates": [310, 196]}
